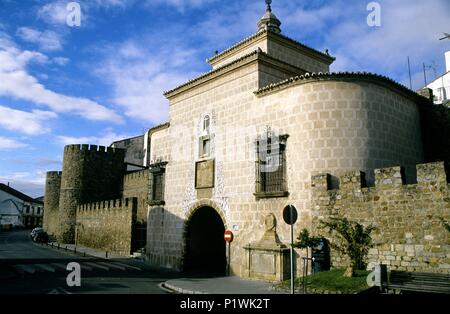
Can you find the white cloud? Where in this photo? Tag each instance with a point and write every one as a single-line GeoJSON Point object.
{"type": "Point", "coordinates": [61, 61]}
{"type": "Point", "coordinates": [180, 5]}
{"type": "Point", "coordinates": [47, 40]}
{"type": "Point", "coordinates": [53, 12]}
{"type": "Point", "coordinates": [112, 3]}
{"type": "Point", "coordinates": [407, 28]}
{"type": "Point", "coordinates": [104, 138]}
{"type": "Point", "coordinates": [30, 183]}
{"type": "Point", "coordinates": [30, 123]}
{"type": "Point", "coordinates": [139, 75]}
{"type": "Point", "coordinates": [9, 144]}
{"type": "Point", "coordinates": [18, 83]}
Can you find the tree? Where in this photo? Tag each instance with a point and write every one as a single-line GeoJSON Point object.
{"type": "Point", "coordinates": [305, 241]}
{"type": "Point", "coordinates": [352, 239]}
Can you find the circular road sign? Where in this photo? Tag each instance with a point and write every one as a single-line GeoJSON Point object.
{"type": "Point", "coordinates": [228, 236]}
{"type": "Point", "coordinates": [290, 214]}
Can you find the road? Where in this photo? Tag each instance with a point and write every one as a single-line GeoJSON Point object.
{"type": "Point", "coordinates": [27, 267]}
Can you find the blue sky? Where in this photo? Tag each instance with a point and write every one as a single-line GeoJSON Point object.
{"type": "Point", "coordinates": [104, 80]}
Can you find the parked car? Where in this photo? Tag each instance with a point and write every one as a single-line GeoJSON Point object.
{"type": "Point", "coordinates": [34, 232]}
{"type": "Point", "coordinates": [41, 237]}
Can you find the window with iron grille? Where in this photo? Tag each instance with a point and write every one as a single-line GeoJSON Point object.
{"type": "Point", "coordinates": [271, 167]}
{"type": "Point", "coordinates": [157, 184]}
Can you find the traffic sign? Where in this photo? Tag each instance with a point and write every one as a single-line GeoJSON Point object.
{"type": "Point", "coordinates": [290, 214]}
{"type": "Point", "coordinates": [228, 236]}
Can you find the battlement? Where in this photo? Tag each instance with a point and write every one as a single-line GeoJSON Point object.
{"type": "Point", "coordinates": [143, 174]}
{"type": "Point", "coordinates": [54, 173]}
{"type": "Point", "coordinates": [430, 174]}
{"type": "Point", "coordinates": [106, 205]}
{"type": "Point", "coordinates": [93, 148]}
{"type": "Point", "coordinates": [107, 225]}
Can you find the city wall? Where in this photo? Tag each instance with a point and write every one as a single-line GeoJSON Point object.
{"type": "Point", "coordinates": [107, 225]}
{"type": "Point", "coordinates": [410, 235]}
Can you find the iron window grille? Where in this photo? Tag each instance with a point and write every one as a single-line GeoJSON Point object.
{"type": "Point", "coordinates": [271, 167]}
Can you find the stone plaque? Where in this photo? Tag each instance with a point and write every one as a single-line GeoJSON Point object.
{"type": "Point", "coordinates": [204, 193]}
{"type": "Point", "coordinates": [263, 263]}
{"type": "Point", "coordinates": [204, 174]}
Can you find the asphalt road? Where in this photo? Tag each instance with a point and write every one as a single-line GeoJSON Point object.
{"type": "Point", "coordinates": [29, 268]}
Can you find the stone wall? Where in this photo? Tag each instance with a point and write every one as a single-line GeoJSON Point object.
{"type": "Point", "coordinates": [107, 225]}
{"type": "Point", "coordinates": [134, 149]}
{"type": "Point", "coordinates": [279, 47]}
{"type": "Point", "coordinates": [51, 202]}
{"type": "Point", "coordinates": [90, 173]}
{"type": "Point", "coordinates": [282, 50]}
{"type": "Point", "coordinates": [136, 184]}
{"type": "Point", "coordinates": [410, 235]}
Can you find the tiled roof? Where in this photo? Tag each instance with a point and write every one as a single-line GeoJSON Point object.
{"type": "Point", "coordinates": [256, 35]}
{"type": "Point", "coordinates": [335, 76]}
{"type": "Point", "coordinates": [18, 194]}
{"type": "Point", "coordinates": [158, 127]}
{"type": "Point", "coordinates": [166, 93]}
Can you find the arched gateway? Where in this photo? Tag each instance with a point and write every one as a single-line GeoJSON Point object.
{"type": "Point", "coordinates": [205, 251]}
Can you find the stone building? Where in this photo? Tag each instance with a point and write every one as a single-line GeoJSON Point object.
{"type": "Point", "coordinates": [244, 141]}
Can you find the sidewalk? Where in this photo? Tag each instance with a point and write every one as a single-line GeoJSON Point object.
{"type": "Point", "coordinates": [82, 250]}
{"type": "Point", "coordinates": [219, 285]}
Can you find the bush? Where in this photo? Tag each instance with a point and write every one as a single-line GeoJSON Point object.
{"type": "Point", "coordinates": [352, 239]}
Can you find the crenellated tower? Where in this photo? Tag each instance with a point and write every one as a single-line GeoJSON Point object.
{"type": "Point", "coordinates": [90, 173]}
{"type": "Point", "coordinates": [51, 202]}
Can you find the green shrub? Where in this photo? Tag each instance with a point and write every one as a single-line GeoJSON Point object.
{"type": "Point", "coordinates": [351, 239]}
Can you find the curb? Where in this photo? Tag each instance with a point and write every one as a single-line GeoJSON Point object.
{"type": "Point", "coordinates": [71, 250]}
{"type": "Point", "coordinates": [179, 290]}
{"type": "Point", "coordinates": [163, 287]}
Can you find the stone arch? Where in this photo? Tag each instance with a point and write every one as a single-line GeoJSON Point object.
{"type": "Point", "coordinates": [204, 203]}
{"type": "Point", "coordinates": [203, 230]}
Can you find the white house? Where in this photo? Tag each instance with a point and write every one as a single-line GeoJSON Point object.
{"type": "Point", "coordinates": [441, 85]}
{"type": "Point", "coordinates": [18, 209]}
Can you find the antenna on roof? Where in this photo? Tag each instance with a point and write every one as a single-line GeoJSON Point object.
{"type": "Point", "coordinates": [447, 36]}
{"type": "Point", "coordinates": [424, 74]}
{"type": "Point", "coordinates": [409, 71]}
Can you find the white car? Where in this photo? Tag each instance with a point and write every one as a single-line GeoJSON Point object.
{"type": "Point", "coordinates": [34, 232]}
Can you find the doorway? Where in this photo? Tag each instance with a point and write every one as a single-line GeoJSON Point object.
{"type": "Point", "coordinates": [205, 247]}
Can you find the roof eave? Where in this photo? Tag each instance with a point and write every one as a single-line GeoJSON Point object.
{"type": "Point", "coordinates": [325, 57]}
{"type": "Point", "coordinates": [311, 77]}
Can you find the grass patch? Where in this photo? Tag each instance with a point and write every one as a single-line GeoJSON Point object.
{"type": "Point", "coordinates": [330, 281]}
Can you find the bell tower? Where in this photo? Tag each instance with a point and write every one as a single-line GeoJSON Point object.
{"type": "Point", "coordinates": [269, 21]}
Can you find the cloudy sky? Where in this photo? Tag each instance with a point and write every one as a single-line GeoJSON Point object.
{"type": "Point", "coordinates": [103, 80]}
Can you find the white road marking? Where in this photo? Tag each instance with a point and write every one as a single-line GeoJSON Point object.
{"type": "Point", "coordinates": [25, 269]}
{"type": "Point", "coordinates": [45, 267]}
{"type": "Point", "coordinates": [95, 265]}
{"type": "Point", "coordinates": [111, 265]}
{"type": "Point", "coordinates": [128, 266]}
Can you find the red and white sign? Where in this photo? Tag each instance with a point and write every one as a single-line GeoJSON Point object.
{"type": "Point", "coordinates": [228, 236]}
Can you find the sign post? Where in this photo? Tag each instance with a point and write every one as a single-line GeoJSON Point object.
{"type": "Point", "coordinates": [290, 217]}
{"type": "Point", "coordinates": [228, 237]}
